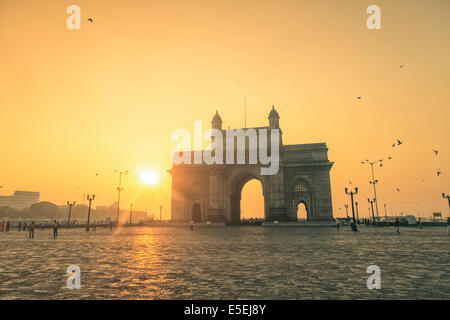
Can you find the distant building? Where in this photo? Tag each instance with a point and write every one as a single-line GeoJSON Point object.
{"type": "Point", "coordinates": [20, 200]}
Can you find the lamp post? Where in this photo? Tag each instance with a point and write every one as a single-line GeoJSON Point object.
{"type": "Point", "coordinates": [89, 198]}
{"type": "Point", "coordinates": [346, 210]}
{"type": "Point", "coordinates": [446, 196]}
{"type": "Point", "coordinates": [371, 204]}
{"type": "Point", "coordinates": [160, 212]}
{"type": "Point", "coordinates": [357, 211]}
{"type": "Point", "coordinates": [119, 188]}
{"type": "Point", "coordinates": [351, 193]}
{"type": "Point", "coordinates": [131, 211]}
{"type": "Point", "coordinates": [70, 210]}
{"type": "Point", "coordinates": [374, 181]}
{"type": "Point", "coordinates": [385, 212]}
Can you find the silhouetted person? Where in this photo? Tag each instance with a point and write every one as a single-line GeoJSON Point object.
{"type": "Point", "coordinates": [19, 227]}
{"type": "Point", "coordinates": [8, 226]}
{"type": "Point", "coordinates": [31, 230]}
{"type": "Point", "coordinates": [110, 226]}
{"type": "Point", "coordinates": [94, 227]}
{"type": "Point", "coordinates": [419, 223]}
{"type": "Point", "coordinates": [397, 225]}
{"type": "Point", "coordinates": [55, 229]}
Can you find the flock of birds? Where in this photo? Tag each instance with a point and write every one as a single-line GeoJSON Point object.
{"type": "Point", "coordinates": [398, 143]}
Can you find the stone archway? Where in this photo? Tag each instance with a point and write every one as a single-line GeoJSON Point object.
{"type": "Point", "coordinates": [218, 185]}
{"type": "Point", "coordinates": [196, 213]}
{"type": "Point", "coordinates": [302, 194]}
{"type": "Point", "coordinates": [300, 206]}
{"type": "Point", "coordinates": [235, 194]}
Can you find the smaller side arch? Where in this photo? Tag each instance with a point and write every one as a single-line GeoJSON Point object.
{"type": "Point", "coordinates": [302, 193]}
{"type": "Point", "coordinates": [196, 214]}
{"type": "Point", "coordinates": [197, 200]}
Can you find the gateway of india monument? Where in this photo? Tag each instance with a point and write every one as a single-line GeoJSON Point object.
{"type": "Point", "coordinates": [204, 192]}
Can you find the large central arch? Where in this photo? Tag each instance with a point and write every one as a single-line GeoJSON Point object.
{"type": "Point", "coordinates": [236, 184]}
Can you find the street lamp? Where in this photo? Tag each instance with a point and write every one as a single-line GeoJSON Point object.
{"type": "Point", "coordinates": [131, 211]}
{"type": "Point", "coordinates": [160, 212]}
{"type": "Point", "coordinates": [351, 193]}
{"type": "Point", "coordinates": [119, 188]}
{"type": "Point", "coordinates": [374, 181]}
{"type": "Point", "coordinates": [357, 211]}
{"type": "Point", "coordinates": [371, 204]}
{"type": "Point", "coordinates": [446, 196]}
{"type": "Point", "coordinates": [89, 198]}
{"type": "Point", "coordinates": [70, 210]}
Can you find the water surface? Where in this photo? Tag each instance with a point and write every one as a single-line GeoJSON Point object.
{"type": "Point", "coordinates": [226, 263]}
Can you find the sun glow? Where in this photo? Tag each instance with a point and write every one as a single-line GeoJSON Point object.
{"type": "Point", "coordinates": [149, 177]}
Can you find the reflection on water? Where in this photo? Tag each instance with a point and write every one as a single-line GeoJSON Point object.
{"type": "Point", "coordinates": [226, 263]}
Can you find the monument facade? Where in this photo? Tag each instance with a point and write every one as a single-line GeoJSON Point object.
{"type": "Point", "coordinates": [212, 192]}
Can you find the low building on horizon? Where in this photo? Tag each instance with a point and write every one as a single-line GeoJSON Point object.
{"type": "Point", "coordinates": [20, 199]}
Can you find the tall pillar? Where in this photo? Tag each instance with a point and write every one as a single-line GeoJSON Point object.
{"type": "Point", "coordinates": [216, 210]}
{"type": "Point", "coordinates": [277, 202]}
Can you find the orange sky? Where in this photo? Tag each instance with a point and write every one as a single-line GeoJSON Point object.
{"type": "Point", "coordinates": [74, 103]}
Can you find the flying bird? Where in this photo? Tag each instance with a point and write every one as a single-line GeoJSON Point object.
{"type": "Point", "coordinates": [435, 151]}
{"type": "Point", "coordinates": [401, 66]}
{"type": "Point", "coordinates": [398, 190]}
{"type": "Point", "coordinates": [90, 20]}
{"type": "Point", "coordinates": [381, 164]}
{"type": "Point", "coordinates": [399, 142]}
{"type": "Point", "coordinates": [438, 172]}
{"type": "Point", "coordinates": [389, 158]}
{"type": "Point", "coordinates": [359, 97]}
{"type": "Point", "coordinates": [393, 146]}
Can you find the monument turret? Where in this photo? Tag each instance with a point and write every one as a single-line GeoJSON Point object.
{"type": "Point", "coordinates": [274, 119]}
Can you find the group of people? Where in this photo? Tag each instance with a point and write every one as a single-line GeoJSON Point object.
{"type": "Point", "coordinates": [30, 226]}
{"type": "Point", "coordinates": [351, 222]}
{"type": "Point", "coordinates": [6, 226]}
{"type": "Point", "coordinates": [397, 223]}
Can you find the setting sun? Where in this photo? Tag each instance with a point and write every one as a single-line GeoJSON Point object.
{"type": "Point", "coordinates": [149, 177]}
